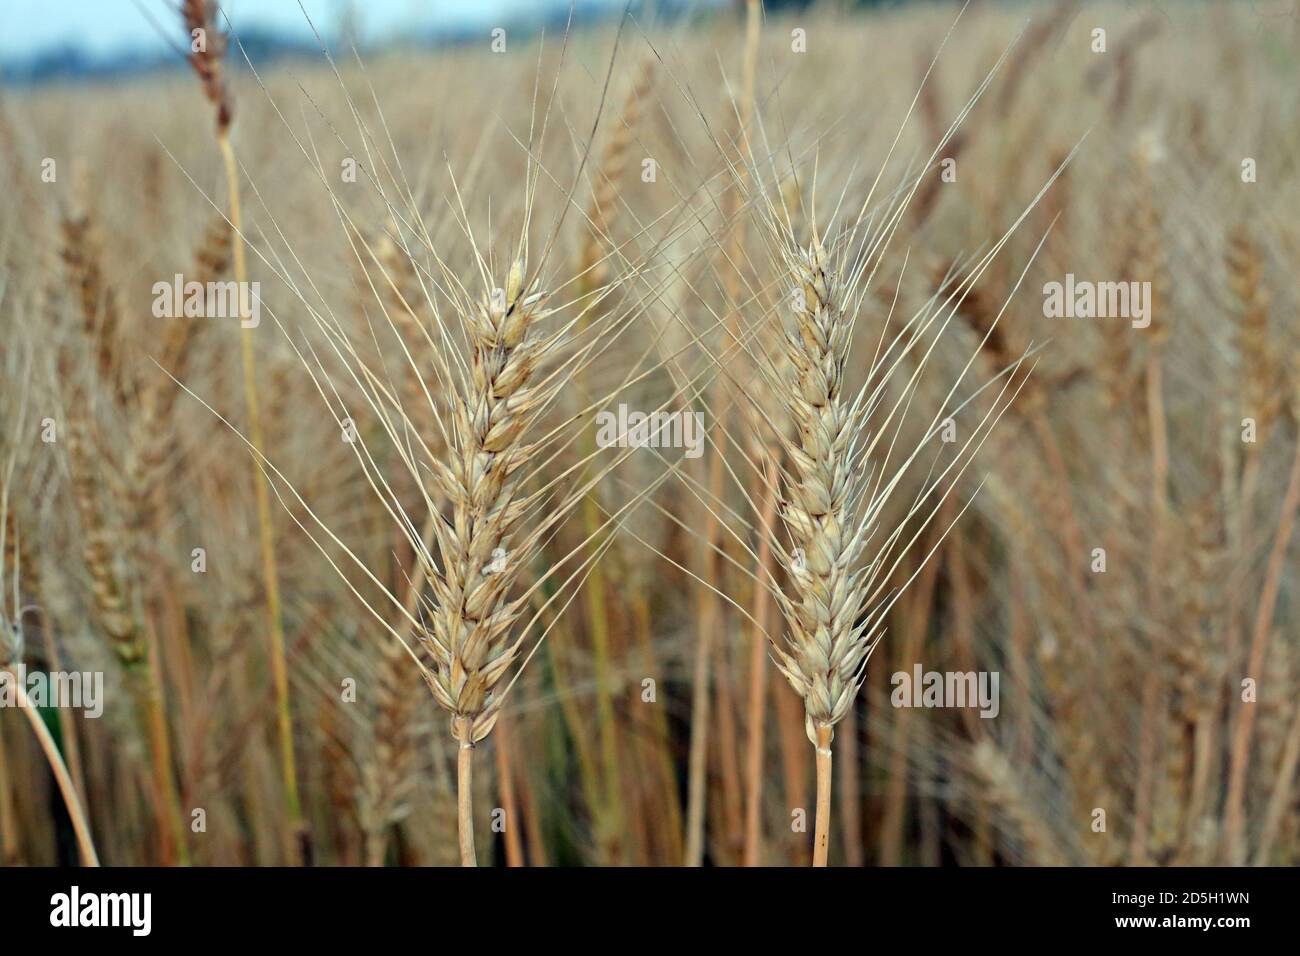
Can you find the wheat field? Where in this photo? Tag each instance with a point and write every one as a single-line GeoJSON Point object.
{"type": "Point", "coordinates": [598, 437]}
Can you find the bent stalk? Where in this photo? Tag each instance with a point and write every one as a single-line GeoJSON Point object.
{"type": "Point", "coordinates": [85, 843]}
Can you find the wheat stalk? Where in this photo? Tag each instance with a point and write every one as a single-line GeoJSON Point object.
{"type": "Point", "coordinates": [200, 19]}
{"type": "Point", "coordinates": [711, 613]}
{"type": "Point", "coordinates": [471, 641]}
{"type": "Point", "coordinates": [828, 647]}
{"type": "Point", "coordinates": [594, 271]}
{"type": "Point", "coordinates": [831, 504]}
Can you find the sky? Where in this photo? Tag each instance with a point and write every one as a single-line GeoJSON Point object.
{"type": "Point", "coordinates": [102, 28]}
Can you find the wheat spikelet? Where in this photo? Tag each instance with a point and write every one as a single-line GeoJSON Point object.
{"type": "Point", "coordinates": [80, 253]}
{"type": "Point", "coordinates": [828, 645]}
{"type": "Point", "coordinates": [1260, 376]}
{"type": "Point", "coordinates": [212, 259]}
{"type": "Point", "coordinates": [100, 553]}
{"type": "Point", "coordinates": [602, 213]}
{"type": "Point", "coordinates": [837, 483]}
{"type": "Point", "coordinates": [89, 464]}
{"type": "Point", "coordinates": [200, 18]}
{"type": "Point", "coordinates": [979, 307]}
{"type": "Point", "coordinates": [387, 777]}
{"type": "Point", "coordinates": [1006, 795]}
{"type": "Point", "coordinates": [398, 282]}
{"type": "Point", "coordinates": [114, 561]}
{"type": "Point", "coordinates": [1144, 257]}
{"type": "Point", "coordinates": [470, 642]}
{"type": "Point", "coordinates": [150, 441]}
{"type": "Point", "coordinates": [400, 288]}
{"type": "Point", "coordinates": [1035, 40]}
{"type": "Point", "coordinates": [828, 642]}
{"type": "Point", "coordinates": [342, 779]}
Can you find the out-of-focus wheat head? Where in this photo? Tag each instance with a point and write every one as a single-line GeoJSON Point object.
{"type": "Point", "coordinates": [207, 48]}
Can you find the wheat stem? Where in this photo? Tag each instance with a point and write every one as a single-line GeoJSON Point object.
{"type": "Point", "coordinates": [85, 843]}
{"type": "Point", "coordinates": [701, 698]}
{"type": "Point", "coordinates": [758, 684]}
{"type": "Point", "coordinates": [711, 613]}
{"type": "Point", "coordinates": [279, 668]}
{"type": "Point", "coordinates": [822, 824]}
{"type": "Point", "coordinates": [1234, 816]}
{"type": "Point", "coordinates": [509, 798]}
{"type": "Point", "coordinates": [465, 791]}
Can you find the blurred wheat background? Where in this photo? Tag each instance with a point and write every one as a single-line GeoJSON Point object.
{"type": "Point", "coordinates": [650, 727]}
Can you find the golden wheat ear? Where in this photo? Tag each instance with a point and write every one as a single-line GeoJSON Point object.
{"type": "Point", "coordinates": [841, 462]}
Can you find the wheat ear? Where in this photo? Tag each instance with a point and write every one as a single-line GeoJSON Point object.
{"type": "Point", "coordinates": [470, 641]}
{"type": "Point", "coordinates": [827, 646]}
